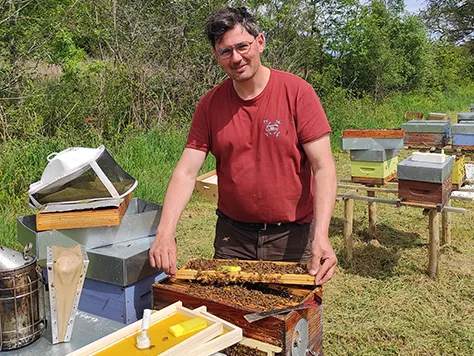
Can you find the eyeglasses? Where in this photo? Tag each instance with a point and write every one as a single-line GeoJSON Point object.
{"type": "Point", "coordinates": [241, 48]}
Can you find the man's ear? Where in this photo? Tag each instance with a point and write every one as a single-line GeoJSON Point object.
{"type": "Point", "coordinates": [261, 42]}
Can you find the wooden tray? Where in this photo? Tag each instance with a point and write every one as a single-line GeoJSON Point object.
{"type": "Point", "coordinates": [249, 277]}
{"type": "Point", "coordinates": [82, 218]}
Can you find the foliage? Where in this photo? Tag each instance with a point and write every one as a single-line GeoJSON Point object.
{"type": "Point", "coordinates": [105, 67]}
{"type": "Point", "coordinates": [452, 20]}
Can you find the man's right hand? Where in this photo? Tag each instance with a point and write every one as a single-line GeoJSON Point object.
{"type": "Point", "coordinates": [163, 254]}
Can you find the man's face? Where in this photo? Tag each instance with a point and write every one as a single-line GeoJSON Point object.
{"type": "Point", "coordinates": [240, 66]}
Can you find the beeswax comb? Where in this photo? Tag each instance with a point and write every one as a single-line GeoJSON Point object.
{"type": "Point", "coordinates": [231, 268]}
{"type": "Point", "coordinates": [188, 326]}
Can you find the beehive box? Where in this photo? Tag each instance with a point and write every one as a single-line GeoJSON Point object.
{"type": "Point", "coordinates": [374, 172]}
{"type": "Point", "coordinates": [459, 171]}
{"type": "Point", "coordinates": [75, 219]}
{"type": "Point", "coordinates": [425, 180]}
{"type": "Point", "coordinates": [466, 117]}
{"type": "Point", "coordinates": [424, 133]}
{"type": "Point", "coordinates": [437, 116]}
{"type": "Point", "coordinates": [463, 135]}
{"type": "Point", "coordinates": [424, 192]}
{"type": "Point", "coordinates": [280, 330]}
{"type": "Point", "coordinates": [372, 155]}
{"type": "Point", "coordinates": [206, 185]}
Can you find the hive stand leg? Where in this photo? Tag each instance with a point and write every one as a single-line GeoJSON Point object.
{"type": "Point", "coordinates": [348, 222]}
{"type": "Point", "coordinates": [372, 215]}
{"type": "Point", "coordinates": [433, 247]}
{"type": "Point", "coordinates": [446, 224]}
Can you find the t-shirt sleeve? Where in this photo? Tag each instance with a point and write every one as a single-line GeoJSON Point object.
{"type": "Point", "coordinates": [311, 121]}
{"type": "Point", "coordinates": [198, 137]}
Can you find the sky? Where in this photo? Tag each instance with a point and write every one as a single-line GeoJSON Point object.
{"type": "Point", "coordinates": [414, 5]}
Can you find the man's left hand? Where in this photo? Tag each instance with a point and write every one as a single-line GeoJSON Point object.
{"type": "Point", "coordinates": [323, 261]}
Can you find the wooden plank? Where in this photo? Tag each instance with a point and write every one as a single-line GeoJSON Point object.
{"type": "Point", "coordinates": [348, 222]}
{"type": "Point", "coordinates": [433, 248]}
{"type": "Point", "coordinates": [446, 225]}
{"type": "Point", "coordinates": [253, 277]}
{"type": "Point", "coordinates": [368, 189]}
{"type": "Point", "coordinates": [373, 133]}
{"type": "Point", "coordinates": [372, 207]}
{"type": "Point", "coordinates": [400, 203]}
{"type": "Point", "coordinates": [261, 346]}
{"type": "Point", "coordinates": [294, 289]}
{"type": "Point", "coordinates": [361, 197]}
{"type": "Point", "coordinates": [231, 335]}
{"type": "Point", "coordinates": [463, 148]}
{"type": "Point", "coordinates": [82, 218]}
{"type": "Point", "coordinates": [349, 180]}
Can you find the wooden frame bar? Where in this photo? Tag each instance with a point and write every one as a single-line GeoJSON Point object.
{"type": "Point", "coordinates": [242, 276]}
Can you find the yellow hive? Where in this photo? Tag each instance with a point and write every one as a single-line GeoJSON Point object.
{"type": "Point", "coordinates": [459, 170]}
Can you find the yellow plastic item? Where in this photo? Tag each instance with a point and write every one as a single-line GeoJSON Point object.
{"type": "Point", "coordinates": [188, 326]}
{"type": "Point", "coordinates": [161, 339]}
{"type": "Point", "coordinates": [231, 268]}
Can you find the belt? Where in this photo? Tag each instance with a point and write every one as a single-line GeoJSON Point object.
{"type": "Point", "coordinates": [254, 226]}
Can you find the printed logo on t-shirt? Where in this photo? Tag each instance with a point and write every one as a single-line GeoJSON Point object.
{"type": "Point", "coordinates": [272, 128]}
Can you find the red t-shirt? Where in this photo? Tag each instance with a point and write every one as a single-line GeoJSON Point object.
{"type": "Point", "coordinates": [263, 172]}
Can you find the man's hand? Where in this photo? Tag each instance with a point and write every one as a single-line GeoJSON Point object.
{"type": "Point", "coordinates": [163, 254]}
{"type": "Point", "coordinates": [323, 261]}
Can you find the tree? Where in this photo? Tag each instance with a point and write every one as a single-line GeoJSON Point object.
{"type": "Point", "coordinates": [451, 20]}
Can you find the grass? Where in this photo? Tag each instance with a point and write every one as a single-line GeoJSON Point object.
{"type": "Point", "coordinates": [381, 303]}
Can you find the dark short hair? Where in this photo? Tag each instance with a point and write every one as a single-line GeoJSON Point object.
{"type": "Point", "coordinates": [224, 19]}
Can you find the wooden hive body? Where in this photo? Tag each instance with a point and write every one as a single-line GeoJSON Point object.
{"type": "Point", "coordinates": [277, 330]}
{"type": "Point", "coordinates": [424, 192]}
{"type": "Point", "coordinates": [366, 169]}
{"type": "Point", "coordinates": [425, 139]}
{"type": "Point", "coordinates": [459, 170]}
{"type": "Point", "coordinates": [206, 185]}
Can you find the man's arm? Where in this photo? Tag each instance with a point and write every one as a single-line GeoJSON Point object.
{"type": "Point", "coordinates": [324, 260]}
{"type": "Point", "coordinates": [163, 252]}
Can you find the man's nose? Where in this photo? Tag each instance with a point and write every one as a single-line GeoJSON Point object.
{"type": "Point", "coordinates": [236, 56]}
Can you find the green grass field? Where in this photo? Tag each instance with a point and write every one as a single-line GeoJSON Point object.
{"type": "Point", "coordinates": [382, 303]}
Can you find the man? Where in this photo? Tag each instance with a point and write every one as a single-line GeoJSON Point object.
{"type": "Point", "coordinates": [268, 132]}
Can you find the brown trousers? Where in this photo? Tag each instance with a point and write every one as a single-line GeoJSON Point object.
{"type": "Point", "coordinates": [290, 242]}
